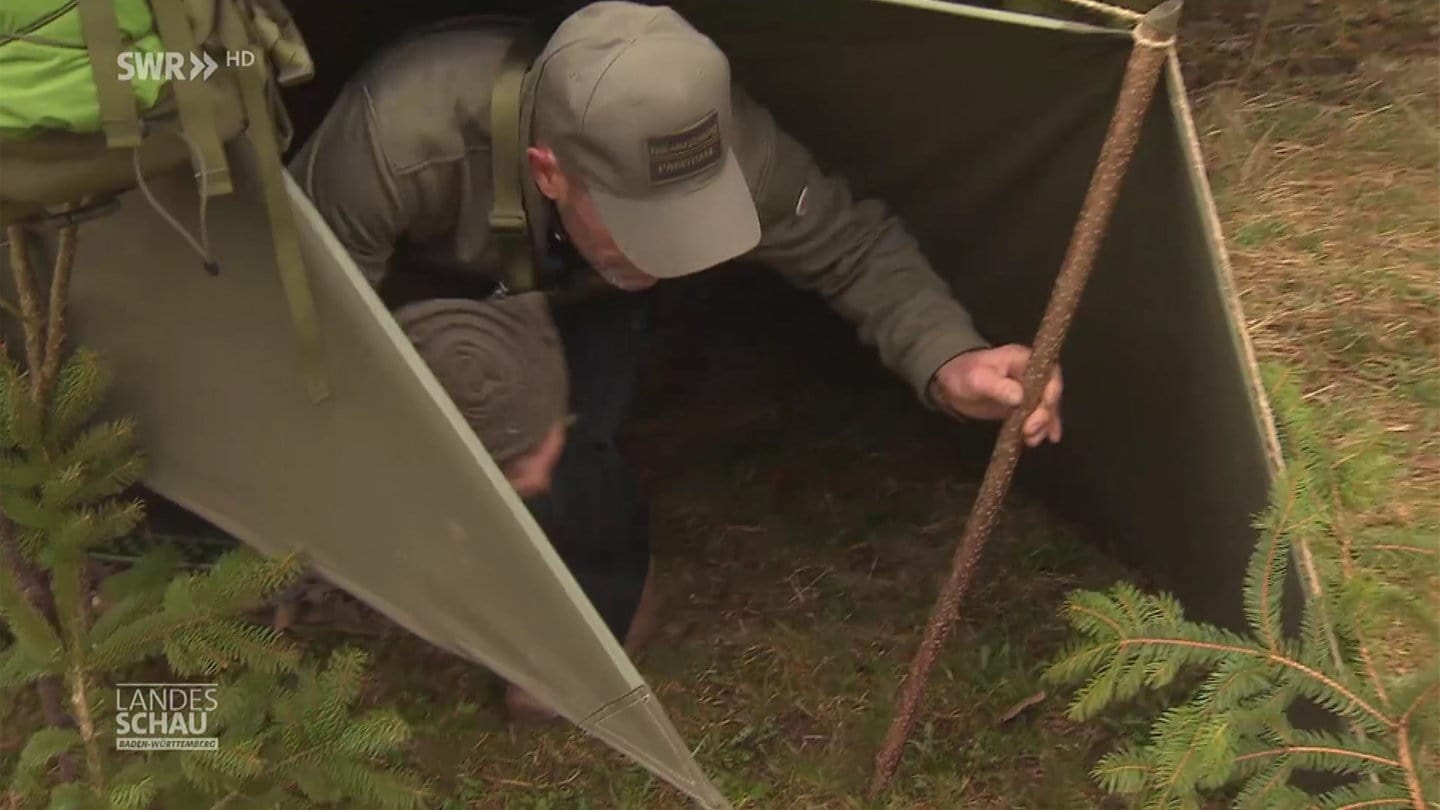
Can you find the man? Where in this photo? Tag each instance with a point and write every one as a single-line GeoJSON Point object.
{"type": "Point", "coordinates": [503, 365]}
{"type": "Point", "coordinates": [643, 162]}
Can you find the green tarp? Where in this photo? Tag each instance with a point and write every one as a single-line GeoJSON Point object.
{"type": "Point", "coordinates": [980, 129]}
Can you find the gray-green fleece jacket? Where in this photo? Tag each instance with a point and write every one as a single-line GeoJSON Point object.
{"type": "Point", "coordinates": [405, 154]}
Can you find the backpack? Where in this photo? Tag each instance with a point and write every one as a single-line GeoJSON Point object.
{"type": "Point", "coordinates": [87, 116]}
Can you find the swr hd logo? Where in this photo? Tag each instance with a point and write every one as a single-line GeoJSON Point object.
{"type": "Point", "coordinates": [175, 66]}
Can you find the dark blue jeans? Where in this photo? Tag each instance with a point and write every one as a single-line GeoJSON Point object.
{"type": "Point", "coordinates": [595, 513]}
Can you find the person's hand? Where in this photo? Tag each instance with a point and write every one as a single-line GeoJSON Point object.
{"type": "Point", "coordinates": [530, 473]}
{"type": "Point", "coordinates": [986, 384]}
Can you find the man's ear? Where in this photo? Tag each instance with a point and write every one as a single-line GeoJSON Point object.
{"type": "Point", "coordinates": [545, 170]}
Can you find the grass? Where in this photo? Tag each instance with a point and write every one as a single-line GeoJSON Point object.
{"type": "Point", "coordinates": [1332, 212]}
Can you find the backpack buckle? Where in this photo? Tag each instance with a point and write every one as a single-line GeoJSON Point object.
{"type": "Point", "coordinates": [508, 223]}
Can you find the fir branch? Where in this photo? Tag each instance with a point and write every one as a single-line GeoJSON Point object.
{"type": "Point", "coordinates": [1405, 548]}
{"type": "Point", "coordinates": [79, 391]}
{"type": "Point", "coordinates": [133, 797]}
{"type": "Point", "coordinates": [1306, 446]}
{"type": "Point", "coordinates": [29, 626]}
{"type": "Point", "coordinates": [24, 420]}
{"type": "Point", "coordinates": [377, 733]}
{"type": "Point", "coordinates": [43, 655]}
{"type": "Point", "coordinates": [137, 785]}
{"type": "Point", "coordinates": [1284, 661]}
{"type": "Point", "coordinates": [240, 761]}
{"type": "Point", "coordinates": [1265, 577]}
{"type": "Point", "coordinates": [221, 643]}
{"type": "Point", "coordinates": [1407, 757]}
{"type": "Point", "coordinates": [146, 577]}
{"type": "Point", "coordinates": [84, 529]}
{"type": "Point", "coordinates": [19, 472]}
{"type": "Point", "coordinates": [24, 510]}
{"type": "Point", "coordinates": [1363, 794]}
{"type": "Point", "coordinates": [43, 746]}
{"type": "Point", "coordinates": [1347, 567]}
{"type": "Point", "coordinates": [1324, 750]}
{"type": "Point", "coordinates": [1268, 780]}
{"type": "Point", "coordinates": [18, 668]}
{"type": "Point", "coordinates": [1429, 686]}
{"type": "Point", "coordinates": [103, 444]}
{"type": "Point", "coordinates": [1125, 771]}
{"type": "Point", "coordinates": [1210, 736]}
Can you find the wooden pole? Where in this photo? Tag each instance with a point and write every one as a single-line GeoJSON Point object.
{"type": "Point", "coordinates": [1153, 35]}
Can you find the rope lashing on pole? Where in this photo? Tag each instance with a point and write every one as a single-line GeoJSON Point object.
{"type": "Point", "coordinates": [1153, 35]}
{"type": "Point", "coordinates": [1105, 8]}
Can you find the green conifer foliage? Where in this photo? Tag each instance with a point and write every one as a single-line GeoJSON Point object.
{"type": "Point", "coordinates": [290, 733]}
{"type": "Point", "coordinates": [1231, 733]}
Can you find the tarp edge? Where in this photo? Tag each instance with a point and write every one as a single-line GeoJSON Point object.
{"type": "Point", "coordinates": [306, 211]}
{"type": "Point", "coordinates": [1011, 17]}
{"type": "Point", "coordinates": [1215, 233]}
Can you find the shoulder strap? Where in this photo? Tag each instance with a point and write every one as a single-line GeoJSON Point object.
{"type": "Point", "coordinates": [508, 222]}
{"type": "Point", "coordinates": [197, 117]}
{"type": "Point", "coordinates": [100, 30]}
{"type": "Point", "coordinates": [261, 131]}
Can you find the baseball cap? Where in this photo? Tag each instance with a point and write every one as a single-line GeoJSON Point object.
{"type": "Point", "coordinates": [636, 103]}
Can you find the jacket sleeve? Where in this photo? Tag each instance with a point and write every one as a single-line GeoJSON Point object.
{"type": "Point", "coordinates": [343, 171]}
{"type": "Point", "coordinates": [853, 253]}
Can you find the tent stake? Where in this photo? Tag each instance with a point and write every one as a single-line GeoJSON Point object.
{"type": "Point", "coordinates": [1153, 34]}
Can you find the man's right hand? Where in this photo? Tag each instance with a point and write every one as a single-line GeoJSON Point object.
{"type": "Point", "coordinates": [986, 384]}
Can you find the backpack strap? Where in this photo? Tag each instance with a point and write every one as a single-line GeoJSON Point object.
{"type": "Point", "coordinates": [261, 131]}
{"type": "Point", "coordinates": [508, 222]}
{"type": "Point", "coordinates": [197, 117]}
{"type": "Point", "coordinates": [100, 31]}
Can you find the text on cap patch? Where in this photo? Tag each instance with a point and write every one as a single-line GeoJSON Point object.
{"type": "Point", "coordinates": [687, 153]}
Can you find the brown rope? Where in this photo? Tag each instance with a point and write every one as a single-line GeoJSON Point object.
{"type": "Point", "coordinates": [1152, 36]}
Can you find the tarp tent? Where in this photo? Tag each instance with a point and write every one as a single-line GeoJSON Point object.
{"type": "Point", "coordinates": [980, 128]}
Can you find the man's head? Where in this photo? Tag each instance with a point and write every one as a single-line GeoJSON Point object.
{"type": "Point", "coordinates": [633, 140]}
{"type": "Point", "coordinates": [503, 365]}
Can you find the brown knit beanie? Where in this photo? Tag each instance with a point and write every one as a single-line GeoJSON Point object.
{"type": "Point", "coordinates": [501, 362]}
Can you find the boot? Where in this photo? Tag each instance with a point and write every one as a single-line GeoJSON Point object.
{"type": "Point", "coordinates": [646, 622]}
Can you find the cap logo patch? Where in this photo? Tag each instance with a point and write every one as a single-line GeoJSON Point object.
{"type": "Point", "coordinates": [687, 153]}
